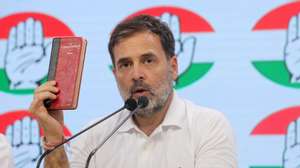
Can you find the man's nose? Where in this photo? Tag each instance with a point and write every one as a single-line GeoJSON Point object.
{"type": "Point", "coordinates": [138, 73]}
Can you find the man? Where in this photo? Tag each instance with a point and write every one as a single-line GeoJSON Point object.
{"type": "Point", "coordinates": [6, 159]}
{"type": "Point", "coordinates": [169, 133]}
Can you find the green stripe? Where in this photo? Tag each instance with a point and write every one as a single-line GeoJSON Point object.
{"type": "Point", "coordinates": [275, 71]}
{"type": "Point", "coordinates": [195, 72]}
{"type": "Point", "coordinates": [4, 85]}
{"type": "Point", "coordinates": [265, 167]}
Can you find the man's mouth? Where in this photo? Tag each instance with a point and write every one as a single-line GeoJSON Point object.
{"type": "Point", "coordinates": [140, 92]}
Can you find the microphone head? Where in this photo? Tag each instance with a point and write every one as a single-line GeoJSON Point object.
{"type": "Point", "coordinates": [143, 102]}
{"type": "Point", "coordinates": [130, 104]}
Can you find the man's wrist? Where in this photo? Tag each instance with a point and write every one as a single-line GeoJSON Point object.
{"type": "Point", "coordinates": [49, 145]}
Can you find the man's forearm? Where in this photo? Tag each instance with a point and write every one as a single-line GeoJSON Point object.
{"type": "Point", "coordinates": [57, 159]}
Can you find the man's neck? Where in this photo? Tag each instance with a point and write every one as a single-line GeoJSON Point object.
{"type": "Point", "coordinates": [148, 124]}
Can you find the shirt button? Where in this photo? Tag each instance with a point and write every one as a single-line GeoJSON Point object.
{"type": "Point", "coordinates": [147, 145]}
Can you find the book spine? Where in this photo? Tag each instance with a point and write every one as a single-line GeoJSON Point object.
{"type": "Point", "coordinates": [54, 59]}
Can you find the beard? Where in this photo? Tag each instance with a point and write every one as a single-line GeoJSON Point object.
{"type": "Point", "coordinates": [158, 95]}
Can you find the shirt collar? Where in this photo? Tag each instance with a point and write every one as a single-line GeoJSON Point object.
{"type": "Point", "coordinates": [128, 125]}
{"type": "Point", "coordinates": [176, 113]}
{"type": "Point", "coordinates": [174, 116]}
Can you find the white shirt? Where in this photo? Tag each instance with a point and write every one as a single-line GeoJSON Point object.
{"type": "Point", "coordinates": [6, 160]}
{"type": "Point", "coordinates": [189, 137]}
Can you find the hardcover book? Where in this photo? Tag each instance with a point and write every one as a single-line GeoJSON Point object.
{"type": "Point", "coordinates": [66, 66]}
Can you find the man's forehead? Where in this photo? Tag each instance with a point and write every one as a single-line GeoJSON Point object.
{"type": "Point", "coordinates": [147, 36]}
{"type": "Point", "coordinates": [143, 55]}
{"type": "Point", "coordinates": [138, 45]}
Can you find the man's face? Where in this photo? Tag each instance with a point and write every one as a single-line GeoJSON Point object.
{"type": "Point", "coordinates": [142, 69]}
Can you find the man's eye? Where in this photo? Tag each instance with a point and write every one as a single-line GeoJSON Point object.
{"type": "Point", "coordinates": [124, 65]}
{"type": "Point", "coordinates": [148, 61]}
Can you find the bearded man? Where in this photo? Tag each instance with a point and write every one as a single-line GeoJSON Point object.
{"type": "Point", "coordinates": [169, 133]}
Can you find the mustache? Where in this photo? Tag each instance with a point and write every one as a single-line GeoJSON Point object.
{"type": "Point", "coordinates": [140, 85]}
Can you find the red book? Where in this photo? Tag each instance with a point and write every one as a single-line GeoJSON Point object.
{"type": "Point", "coordinates": [66, 66]}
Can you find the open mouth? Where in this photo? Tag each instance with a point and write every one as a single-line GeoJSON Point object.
{"type": "Point", "coordinates": [140, 92]}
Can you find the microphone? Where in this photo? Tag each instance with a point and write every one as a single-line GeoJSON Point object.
{"type": "Point", "coordinates": [142, 103]}
{"type": "Point", "coordinates": [130, 104]}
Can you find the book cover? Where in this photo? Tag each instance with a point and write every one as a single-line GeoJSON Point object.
{"type": "Point", "coordinates": [66, 66]}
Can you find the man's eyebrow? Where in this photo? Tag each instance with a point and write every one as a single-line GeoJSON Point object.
{"type": "Point", "coordinates": [148, 55]}
{"type": "Point", "coordinates": [122, 60]}
{"type": "Point", "coordinates": [143, 56]}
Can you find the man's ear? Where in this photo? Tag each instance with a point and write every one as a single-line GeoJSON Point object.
{"type": "Point", "coordinates": [174, 66]}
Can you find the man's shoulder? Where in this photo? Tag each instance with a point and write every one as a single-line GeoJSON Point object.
{"type": "Point", "coordinates": [202, 116]}
{"type": "Point", "coordinates": [205, 121]}
{"type": "Point", "coordinates": [201, 111]}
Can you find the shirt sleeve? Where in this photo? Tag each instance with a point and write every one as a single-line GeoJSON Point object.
{"type": "Point", "coordinates": [6, 158]}
{"type": "Point", "coordinates": [216, 146]}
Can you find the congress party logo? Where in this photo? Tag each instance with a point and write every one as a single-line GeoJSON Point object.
{"type": "Point", "coordinates": [26, 43]}
{"type": "Point", "coordinates": [286, 69]}
{"type": "Point", "coordinates": [285, 123]}
{"type": "Point", "coordinates": [183, 23]}
{"type": "Point", "coordinates": [24, 134]}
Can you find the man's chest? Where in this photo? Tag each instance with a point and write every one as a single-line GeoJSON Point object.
{"type": "Point", "coordinates": [137, 152]}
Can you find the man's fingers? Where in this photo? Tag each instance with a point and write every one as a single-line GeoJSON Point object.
{"type": "Point", "coordinates": [12, 39]}
{"type": "Point", "coordinates": [52, 89]}
{"type": "Point", "coordinates": [29, 31]}
{"type": "Point", "coordinates": [40, 97]}
{"type": "Point", "coordinates": [38, 33]}
{"type": "Point", "coordinates": [21, 34]}
{"type": "Point", "coordinates": [48, 86]}
{"type": "Point", "coordinates": [292, 29]}
{"type": "Point", "coordinates": [290, 138]}
{"type": "Point", "coordinates": [43, 92]}
{"type": "Point", "coordinates": [52, 82]}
